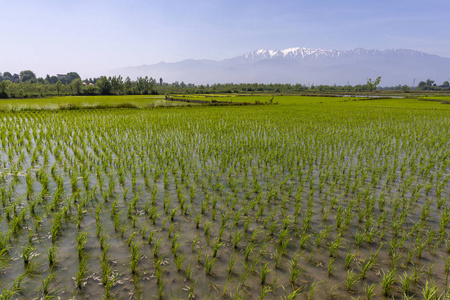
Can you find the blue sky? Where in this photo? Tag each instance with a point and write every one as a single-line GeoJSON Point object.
{"type": "Point", "coordinates": [92, 37]}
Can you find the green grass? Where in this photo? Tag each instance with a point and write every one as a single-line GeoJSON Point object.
{"type": "Point", "coordinates": [82, 101]}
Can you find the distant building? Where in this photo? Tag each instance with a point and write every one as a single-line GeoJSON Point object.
{"type": "Point", "coordinates": [61, 76]}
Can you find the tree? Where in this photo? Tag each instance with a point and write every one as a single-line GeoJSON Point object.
{"type": "Point", "coordinates": [372, 85]}
{"type": "Point", "coordinates": [3, 86]}
{"type": "Point", "coordinates": [77, 85]}
{"type": "Point", "coordinates": [7, 76]}
{"type": "Point", "coordinates": [160, 81]}
{"type": "Point", "coordinates": [58, 87]}
{"type": "Point", "coordinates": [405, 88]}
{"type": "Point", "coordinates": [27, 75]}
{"type": "Point", "coordinates": [117, 85]}
{"type": "Point", "coordinates": [71, 76]}
{"type": "Point", "coordinates": [446, 84]}
{"type": "Point", "coordinates": [104, 85]}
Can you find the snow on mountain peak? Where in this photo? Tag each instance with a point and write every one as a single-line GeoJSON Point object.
{"type": "Point", "coordinates": [298, 53]}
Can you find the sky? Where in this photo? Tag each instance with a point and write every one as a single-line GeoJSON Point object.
{"type": "Point", "coordinates": [93, 37]}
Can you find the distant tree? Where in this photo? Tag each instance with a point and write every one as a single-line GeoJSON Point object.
{"type": "Point", "coordinates": [446, 84]}
{"type": "Point", "coordinates": [7, 76]}
{"type": "Point", "coordinates": [27, 75]}
{"type": "Point", "coordinates": [117, 85]}
{"type": "Point", "coordinates": [128, 86]}
{"type": "Point", "coordinates": [71, 76]}
{"type": "Point", "coordinates": [160, 81]}
{"type": "Point", "coordinates": [405, 88]}
{"type": "Point", "coordinates": [3, 86]}
{"type": "Point", "coordinates": [104, 85]}
{"type": "Point", "coordinates": [77, 86]}
{"type": "Point", "coordinates": [426, 85]}
{"type": "Point", "coordinates": [53, 79]}
{"type": "Point", "coordinates": [372, 85]}
{"type": "Point", "coordinates": [58, 87]}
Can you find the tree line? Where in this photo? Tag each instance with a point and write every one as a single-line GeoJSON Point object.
{"type": "Point", "coordinates": [27, 85]}
{"type": "Point", "coordinates": [430, 85]}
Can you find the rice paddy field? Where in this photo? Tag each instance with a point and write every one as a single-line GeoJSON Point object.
{"type": "Point", "coordinates": [77, 102]}
{"type": "Point", "coordinates": [311, 198]}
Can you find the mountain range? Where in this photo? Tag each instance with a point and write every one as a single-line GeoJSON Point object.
{"type": "Point", "coordinates": [305, 66]}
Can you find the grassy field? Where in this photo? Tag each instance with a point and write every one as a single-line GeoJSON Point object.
{"type": "Point", "coordinates": [312, 198]}
{"type": "Point", "coordinates": [83, 101]}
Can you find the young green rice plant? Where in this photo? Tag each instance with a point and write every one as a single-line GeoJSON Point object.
{"type": "Point", "coordinates": [417, 274]}
{"type": "Point", "coordinates": [409, 256]}
{"type": "Point", "coordinates": [209, 263]}
{"type": "Point", "coordinates": [56, 227]}
{"type": "Point", "coordinates": [191, 294]}
{"type": "Point", "coordinates": [370, 291]}
{"type": "Point", "coordinates": [335, 245]}
{"type": "Point", "coordinates": [295, 271]}
{"type": "Point", "coordinates": [161, 283]}
{"type": "Point", "coordinates": [27, 253]}
{"type": "Point", "coordinates": [265, 271]}
{"type": "Point", "coordinates": [294, 294]}
{"type": "Point", "coordinates": [171, 230]}
{"type": "Point", "coordinates": [156, 247]}
{"type": "Point", "coordinates": [51, 255]}
{"type": "Point", "coordinates": [175, 244]}
{"type": "Point", "coordinates": [349, 259]}
{"type": "Point", "coordinates": [419, 249]}
{"type": "Point", "coordinates": [179, 262]}
{"type": "Point", "coordinates": [236, 238]}
{"type": "Point", "coordinates": [264, 291]}
{"type": "Point", "coordinates": [81, 242]}
{"type": "Point", "coordinates": [405, 282]}
{"type": "Point", "coordinates": [304, 239]}
{"type": "Point", "coordinates": [188, 271]}
{"type": "Point", "coordinates": [367, 264]}
{"type": "Point", "coordinates": [46, 283]}
{"type": "Point", "coordinates": [431, 292]}
{"type": "Point", "coordinates": [81, 274]}
{"type": "Point", "coordinates": [313, 289]}
{"type": "Point", "coordinates": [231, 264]}
{"type": "Point", "coordinates": [249, 250]}
{"type": "Point", "coordinates": [199, 255]}
{"type": "Point", "coordinates": [136, 256]}
{"type": "Point", "coordinates": [207, 227]}
{"type": "Point", "coordinates": [216, 247]}
{"type": "Point", "coordinates": [387, 280]}
{"type": "Point", "coordinates": [351, 279]}
{"type": "Point", "coordinates": [446, 271]}
{"type": "Point", "coordinates": [247, 224]}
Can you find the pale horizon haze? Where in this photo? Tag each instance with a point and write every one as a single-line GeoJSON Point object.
{"type": "Point", "coordinates": [94, 37]}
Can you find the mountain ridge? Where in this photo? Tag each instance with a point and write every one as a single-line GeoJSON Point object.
{"type": "Point", "coordinates": [303, 65]}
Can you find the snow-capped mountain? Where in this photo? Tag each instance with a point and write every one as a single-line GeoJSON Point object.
{"type": "Point", "coordinates": [306, 66]}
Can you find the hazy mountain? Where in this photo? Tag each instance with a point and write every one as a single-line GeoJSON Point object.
{"type": "Point", "coordinates": [303, 65]}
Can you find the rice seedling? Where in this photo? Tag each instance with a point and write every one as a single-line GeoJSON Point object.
{"type": "Point", "coordinates": [387, 279]}
{"type": "Point", "coordinates": [209, 263]}
{"type": "Point", "coordinates": [81, 274]}
{"type": "Point", "coordinates": [265, 271]}
{"type": "Point", "coordinates": [351, 280]}
{"type": "Point", "coordinates": [349, 258]}
{"type": "Point", "coordinates": [295, 271]}
{"type": "Point", "coordinates": [431, 292]}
